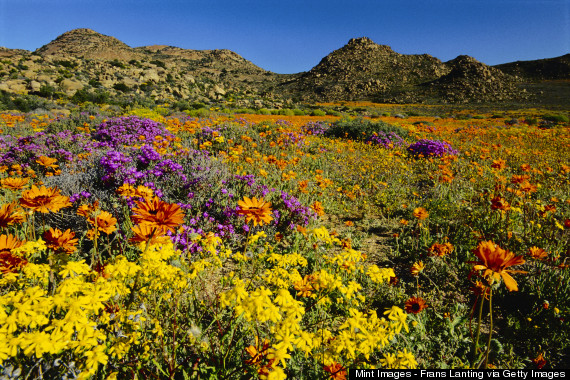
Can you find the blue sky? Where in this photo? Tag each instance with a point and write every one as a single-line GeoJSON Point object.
{"type": "Point", "coordinates": [292, 36]}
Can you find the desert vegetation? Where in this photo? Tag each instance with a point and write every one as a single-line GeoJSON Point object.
{"type": "Point", "coordinates": [167, 244]}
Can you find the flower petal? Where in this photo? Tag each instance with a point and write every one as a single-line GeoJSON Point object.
{"type": "Point", "coordinates": [510, 282]}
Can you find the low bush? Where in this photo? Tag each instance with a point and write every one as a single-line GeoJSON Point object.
{"type": "Point", "coordinates": [361, 129]}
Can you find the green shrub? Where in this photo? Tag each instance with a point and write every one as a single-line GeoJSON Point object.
{"type": "Point", "coordinates": [158, 63]}
{"type": "Point", "coordinates": [360, 129]}
{"type": "Point", "coordinates": [286, 112]}
{"type": "Point", "coordinates": [95, 83]}
{"type": "Point", "coordinates": [181, 106]}
{"type": "Point", "coordinates": [26, 103]}
{"type": "Point", "coordinates": [298, 112]}
{"type": "Point", "coordinates": [531, 121]}
{"type": "Point", "coordinates": [121, 87]}
{"type": "Point", "coordinates": [263, 111]}
{"type": "Point", "coordinates": [318, 112]}
{"type": "Point", "coordinates": [116, 63]}
{"type": "Point", "coordinates": [47, 91]}
{"type": "Point", "coordinates": [135, 63]}
{"type": "Point", "coordinates": [556, 118]}
{"type": "Point", "coordinates": [201, 112]}
{"type": "Point", "coordinates": [68, 64]}
{"type": "Point", "coordinates": [84, 95]}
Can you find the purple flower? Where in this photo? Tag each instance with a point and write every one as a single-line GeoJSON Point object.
{"type": "Point", "coordinates": [388, 141]}
{"type": "Point", "coordinates": [431, 148]}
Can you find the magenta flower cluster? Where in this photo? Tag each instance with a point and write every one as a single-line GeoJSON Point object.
{"type": "Point", "coordinates": [129, 130]}
{"type": "Point", "coordinates": [386, 140]}
{"type": "Point", "coordinates": [431, 148]}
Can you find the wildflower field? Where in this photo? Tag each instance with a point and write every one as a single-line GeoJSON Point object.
{"type": "Point", "coordinates": [144, 245]}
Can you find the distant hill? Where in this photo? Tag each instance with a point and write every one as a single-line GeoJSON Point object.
{"type": "Point", "coordinates": [541, 69]}
{"type": "Point", "coordinates": [91, 64]}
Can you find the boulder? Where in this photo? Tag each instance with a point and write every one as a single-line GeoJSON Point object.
{"type": "Point", "coordinates": [34, 86]}
{"type": "Point", "coordinates": [70, 86]}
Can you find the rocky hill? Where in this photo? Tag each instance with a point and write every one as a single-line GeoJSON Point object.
{"type": "Point", "coordinates": [88, 44]}
{"type": "Point", "coordinates": [85, 65]}
{"type": "Point", "coordinates": [364, 70]}
{"type": "Point", "coordinates": [84, 60]}
{"type": "Point", "coordinates": [541, 69]}
{"type": "Point", "coordinates": [470, 80]}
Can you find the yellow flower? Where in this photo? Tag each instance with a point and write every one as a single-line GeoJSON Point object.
{"type": "Point", "coordinates": [417, 268]}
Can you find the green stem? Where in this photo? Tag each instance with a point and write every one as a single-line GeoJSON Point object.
{"type": "Point", "coordinates": [476, 342]}
{"type": "Point", "coordinates": [490, 328]}
{"type": "Point", "coordinates": [136, 284]}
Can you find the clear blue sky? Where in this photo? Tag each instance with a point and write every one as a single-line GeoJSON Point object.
{"type": "Point", "coordinates": [292, 36]}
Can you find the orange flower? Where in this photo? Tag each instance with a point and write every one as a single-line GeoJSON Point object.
{"type": "Point", "coordinates": [258, 354]}
{"type": "Point", "coordinates": [317, 207]}
{"type": "Point", "coordinates": [539, 361]}
{"type": "Point", "coordinates": [499, 164]}
{"type": "Point", "coordinates": [415, 305]}
{"type": "Point", "coordinates": [440, 249]}
{"type": "Point", "coordinates": [88, 210]}
{"type": "Point", "coordinates": [9, 215]}
{"type": "Point", "coordinates": [303, 185]}
{"type": "Point", "coordinates": [144, 192]}
{"type": "Point", "coordinates": [44, 199]}
{"type": "Point", "coordinates": [105, 222]}
{"type": "Point", "coordinates": [256, 210]}
{"type": "Point", "coordinates": [567, 223]}
{"type": "Point", "coordinates": [499, 203]}
{"type": "Point", "coordinates": [158, 214]}
{"type": "Point", "coordinates": [420, 213]}
{"type": "Point", "coordinates": [126, 190]}
{"type": "Point", "coordinates": [481, 289]}
{"type": "Point", "coordinates": [519, 178]}
{"type": "Point", "coordinates": [349, 223]}
{"type": "Point", "coordinates": [306, 286]}
{"type": "Point", "coordinates": [494, 261]}
{"type": "Point", "coordinates": [47, 162]}
{"type": "Point", "coordinates": [14, 183]}
{"type": "Point", "coordinates": [537, 253]}
{"type": "Point", "coordinates": [528, 187]}
{"type": "Point", "coordinates": [61, 240]}
{"type": "Point", "coordinates": [143, 232]}
{"type": "Point", "coordinates": [10, 263]}
{"type": "Point", "coordinates": [336, 370]}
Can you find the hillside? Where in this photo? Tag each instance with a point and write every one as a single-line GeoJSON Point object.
{"type": "Point", "coordinates": [85, 65]}
{"type": "Point", "coordinates": [541, 69]}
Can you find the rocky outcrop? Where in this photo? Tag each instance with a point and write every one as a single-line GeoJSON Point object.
{"type": "Point", "coordinates": [363, 69]}
{"type": "Point", "coordinates": [88, 44]}
{"type": "Point", "coordinates": [472, 81]}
